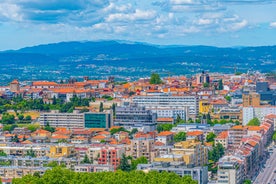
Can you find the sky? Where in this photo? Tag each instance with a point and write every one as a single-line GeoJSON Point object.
{"type": "Point", "coordinates": [222, 23]}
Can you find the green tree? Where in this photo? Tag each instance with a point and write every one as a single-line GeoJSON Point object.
{"type": "Point", "coordinates": [133, 131]}
{"type": "Point", "coordinates": [228, 98]}
{"type": "Point", "coordinates": [155, 79]}
{"type": "Point", "coordinates": [101, 107]}
{"type": "Point", "coordinates": [124, 164]}
{"type": "Point", "coordinates": [181, 136]}
{"type": "Point", "coordinates": [206, 85]}
{"type": "Point", "coordinates": [3, 154]}
{"type": "Point", "coordinates": [86, 160]}
{"type": "Point", "coordinates": [247, 181]}
{"type": "Point", "coordinates": [210, 137]}
{"type": "Point", "coordinates": [31, 153]}
{"type": "Point", "coordinates": [15, 139]}
{"type": "Point", "coordinates": [49, 128]}
{"type": "Point", "coordinates": [20, 117]}
{"type": "Point", "coordinates": [28, 119]}
{"type": "Point", "coordinates": [140, 160]}
{"type": "Point", "coordinates": [274, 136]}
{"type": "Point", "coordinates": [164, 127]}
{"type": "Point", "coordinates": [216, 153]}
{"type": "Point", "coordinates": [254, 122]}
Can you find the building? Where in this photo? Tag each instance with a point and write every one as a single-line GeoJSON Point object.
{"type": "Point", "coordinates": [203, 78]}
{"type": "Point", "coordinates": [204, 107]}
{"type": "Point", "coordinates": [62, 150]}
{"type": "Point", "coordinates": [188, 103]}
{"type": "Point", "coordinates": [20, 171]}
{"type": "Point", "coordinates": [251, 100]}
{"type": "Point", "coordinates": [98, 119]}
{"type": "Point", "coordinates": [166, 137]}
{"type": "Point", "coordinates": [133, 116]}
{"type": "Point", "coordinates": [14, 86]}
{"type": "Point", "coordinates": [111, 156]}
{"type": "Point", "coordinates": [230, 170]}
{"type": "Point", "coordinates": [68, 120]}
{"type": "Point", "coordinates": [256, 112]}
{"type": "Point", "coordinates": [170, 113]}
{"type": "Point", "coordinates": [200, 174]}
{"type": "Point", "coordinates": [262, 87]}
{"type": "Point", "coordinates": [222, 138]}
{"type": "Point", "coordinates": [235, 135]}
{"type": "Point", "coordinates": [142, 146]}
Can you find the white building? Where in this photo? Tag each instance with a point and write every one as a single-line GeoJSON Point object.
{"type": "Point", "coordinates": [187, 103]}
{"type": "Point", "coordinates": [249, 113]}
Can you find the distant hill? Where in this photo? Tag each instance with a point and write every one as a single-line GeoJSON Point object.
{"type": "Point", "coordinates": [128, 59]}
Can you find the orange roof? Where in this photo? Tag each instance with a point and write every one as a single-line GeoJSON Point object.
{"type": "Point", "coordinates": [22, 136]}
{"type": "Point", "coordinates": [194, 133]}
{"type": "Point", "coordinates": [165, 133]}
{"type": "Point", "coordinates": [253, 128]}
{"type": "Point", "coordinates": [165, 119]}
{"type": "Point", "coordinates": [60, 137]}
{"type": "Point", "coordinates": [15, 81]}
{"type": "Point", "coordinates": [222, 135]}
{"type": "Point", "coordinates": [27, 142]}
{"type": "Point", "coordinates": [44, 83]}
{"type": "Point", "coordinates": [158, 143]}
{"type": "Point", "coordinates": [79, 138]}
{"type": "Point", "coordinates": [104, 133]}
{"type": "Point", "coordinates": [97, 129]}
{"type": "Point", "coordinates": [41, 131]}
{"type": "Point", "coordinates": [238, 127]}
{"type": "Point", "coordinates": [209, 144]}
{"type": "Point", "coordinates": [99, 137]}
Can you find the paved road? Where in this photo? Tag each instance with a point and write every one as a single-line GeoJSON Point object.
{"type": "Point", "coordinates": [267, 175]}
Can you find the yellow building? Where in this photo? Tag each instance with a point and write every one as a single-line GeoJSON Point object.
{"type": "Point", "coordinates": [190, 152]}
{"type": "Point", "coordinates": [62, 150]}
{"type": "Point", "coordinates": [204, 107]}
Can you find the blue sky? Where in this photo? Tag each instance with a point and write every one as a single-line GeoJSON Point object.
{"type": "Point", "coordinates": [220, 23]}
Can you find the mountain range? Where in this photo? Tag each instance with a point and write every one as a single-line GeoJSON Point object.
{"type": "Point", "coordinates": [123, 59]}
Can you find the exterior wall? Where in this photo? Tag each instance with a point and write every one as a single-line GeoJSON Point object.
{"type": "Point", "coordinates": [142, 147]}
{"type": "Point", "coordinates": [258, 112]}
{"type": "Point", "coordinates": [68, 120]}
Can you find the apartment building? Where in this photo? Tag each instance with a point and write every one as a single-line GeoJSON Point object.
{"type": "Point", "coordinates": [235, 135]}
{"type": "Point", "coordinates": [230, 170]}
{"type": "Point", "coordinates": [20, 171]}
{"type": "Point", "coordinates": [22, 150]}
{"type": "Point", "coordinates": [256, 112]}
{"type": "Point", "coordinates": [200, 174]}
{"type": "Point", "coordinates": [62, 150]}
{"type": "Point", "coordinates": [142, 146]}
{"type": "Point", "coordinates": [251, 100]}
{"type": "Point", "coordinates": [68, 120]}
{"type": "Point", "coordinates": [188, 103]}
{"type": "Point", "coordinates": [111, 156]}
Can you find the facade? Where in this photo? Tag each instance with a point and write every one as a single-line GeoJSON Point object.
{"type": "Point", "coordinates": [230, 170]}
{"type": "Point", "coordinates": [110, 156]}
{"type": "Point", "coordinates": [188, 103]}
{"type": "Point", "coordinates": [68, 120]}
{"type": "Point", "coordinates": [18, 172]}
{"type": "Point", "coordinates": [235, 135]}
{"type": "Point", "coordinates": [133, 116]}
{"type": "Point", "coordinates": [257, 112]}
{"type": "Point", "coordinates": [251, 100]}
{"type": "Point", "coordinates": [200, 174]}
{"type": "Point", "coordinates": [62, 150]}
{"type": "Point", "coordinates": [170, 113]}
{"type": "Point", "coordinates": [98, 119]}
{"type": "Point", "coordinates": [142, 147]}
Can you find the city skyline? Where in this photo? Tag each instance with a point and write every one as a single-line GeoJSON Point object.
{"type": "Point", "coordinates": [219, 23]}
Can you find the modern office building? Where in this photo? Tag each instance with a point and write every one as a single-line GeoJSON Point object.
{"type": "Point", "coordinates": [98, 120]}
{"type": "Point", "coordinates": [133, 116]}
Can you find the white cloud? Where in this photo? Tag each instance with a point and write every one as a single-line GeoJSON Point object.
{"type": "Point", "coordinates": [272, 24]}
{"type": "Point", "coordinates": [10, 12]}
{"type": "Point", "coordinates": [138, 15]}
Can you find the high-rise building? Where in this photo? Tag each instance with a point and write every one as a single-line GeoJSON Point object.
{"type": "Point", "coordinates": [251, 99]}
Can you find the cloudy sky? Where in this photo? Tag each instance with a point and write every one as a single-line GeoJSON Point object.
{"type": "Point", "coordinates": [186, 22]}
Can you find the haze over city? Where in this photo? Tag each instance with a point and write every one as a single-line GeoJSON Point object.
{"type": "Point", "coordinates": [220, 23]}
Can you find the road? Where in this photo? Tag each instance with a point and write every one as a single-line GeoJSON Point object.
{"type": "Point", "coordinates": [267, 175]}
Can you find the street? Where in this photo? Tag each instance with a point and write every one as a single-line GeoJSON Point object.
{"type": "Point", "coordinates": [267, 175]}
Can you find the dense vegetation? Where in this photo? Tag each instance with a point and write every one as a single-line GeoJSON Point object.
{"type": "Point", "coordinates": [254, 122]}
{"type": "Point", "coordinates": [60, 175]}
{"type": "Point", "coordinates": [22, 105]}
